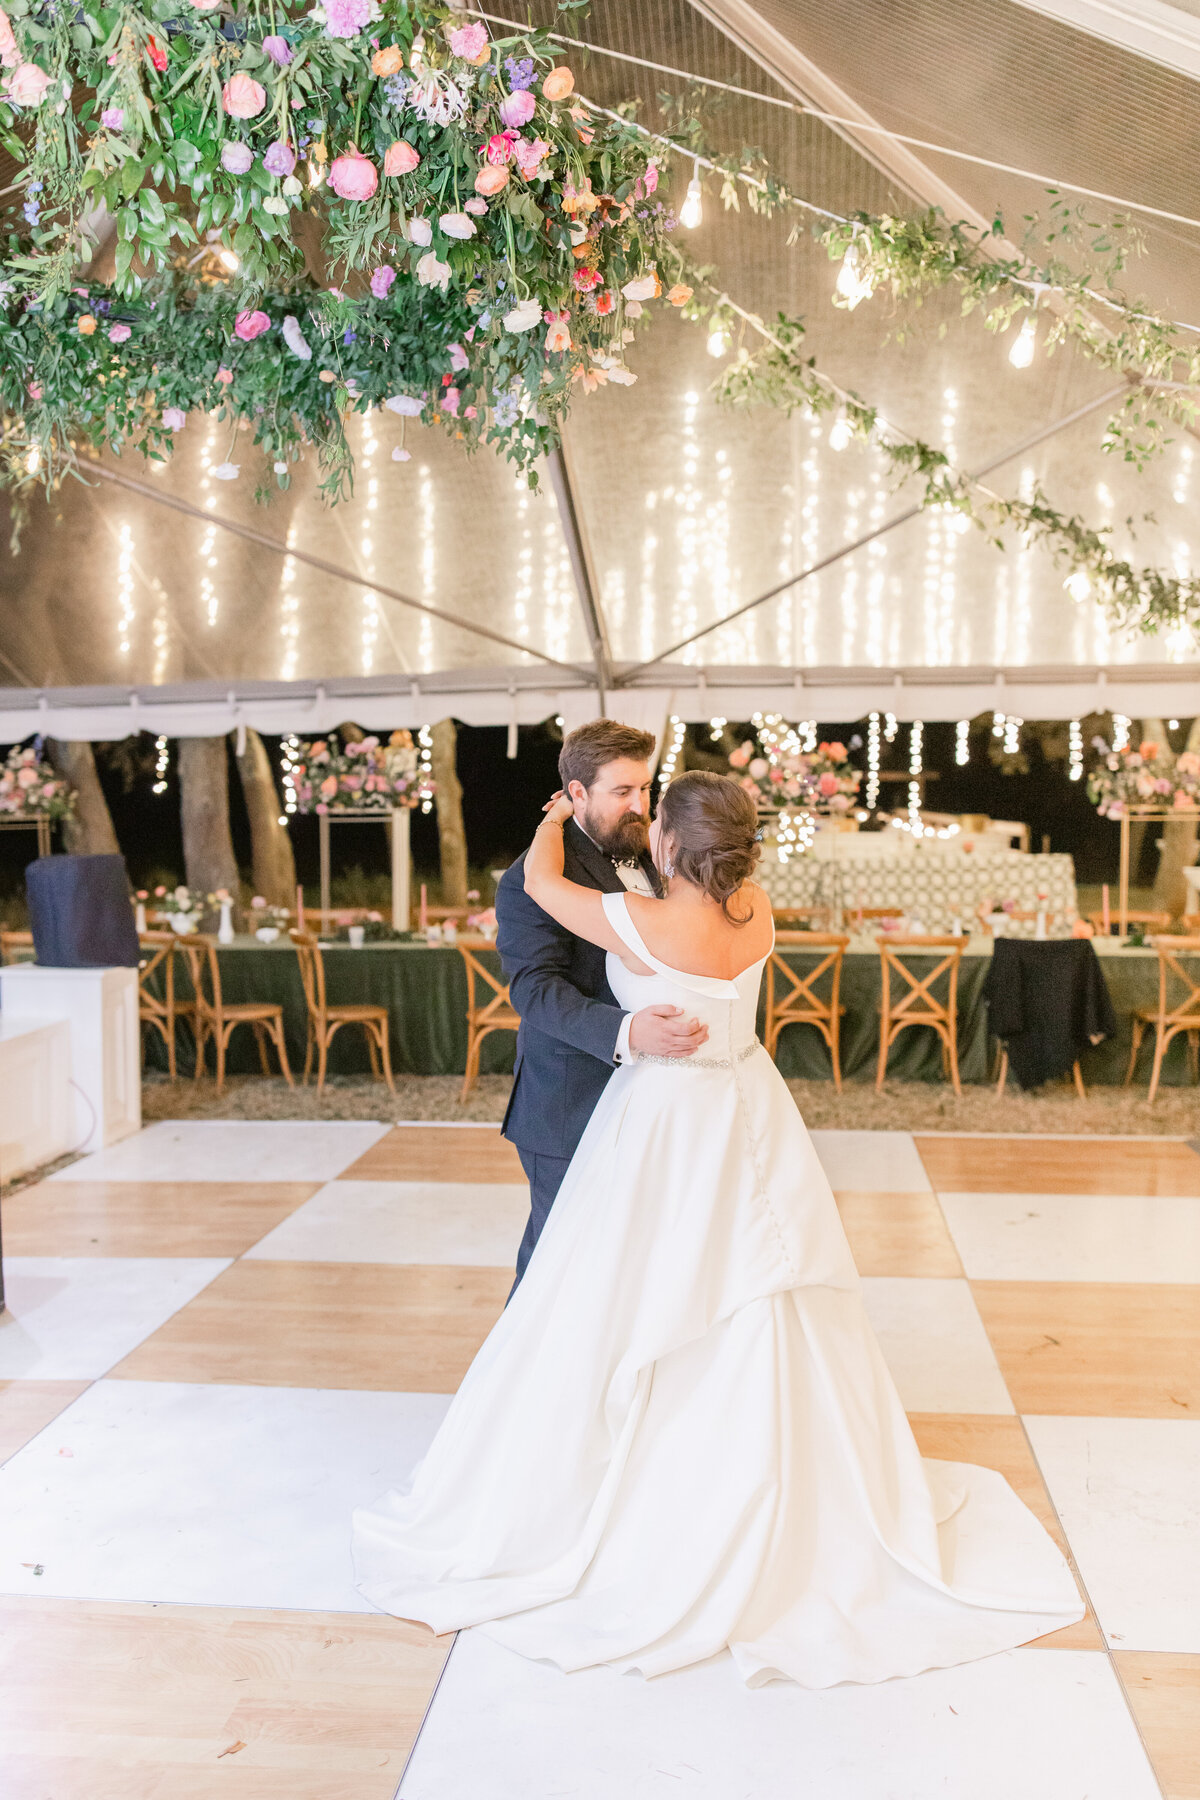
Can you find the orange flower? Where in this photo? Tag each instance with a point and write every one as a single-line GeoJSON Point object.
{"type": "Point", "coordinates": [388, 61]}
{"type": "Point", "coordinates": [491, 178]}
{"type": "Point", "coordinates": [680, 294]}
{"type": "Point", "coordinates": [87, 325]}
{"type": "Point", "coordinates": [558, 84]}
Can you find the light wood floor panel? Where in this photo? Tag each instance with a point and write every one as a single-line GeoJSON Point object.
{"type": "Point", "coordinates": [328, 1325]}
{"type": "Point", "coordinates": [1164, 1692]}
{"type": "Point", "coordinates": [26, 1407]}
{"type": "Point", "coordinates": [996, 1442]}
{"type": "Point", "coordinates": [117, 1699]}
{"type": "Point", "coordinates": [438, 1153]}
{"type": "Point", "coordinates": [898, 1234]}
{"type": "Point", "coordinates": [1033, 1165]}
{"type": "Point", "coordinates": [1109, 1350]}
{"type": "Point", "coordinates": [147, 1218]}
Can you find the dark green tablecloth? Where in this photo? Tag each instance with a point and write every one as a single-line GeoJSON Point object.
{"type": "Point", "coordinates": [424, 988]}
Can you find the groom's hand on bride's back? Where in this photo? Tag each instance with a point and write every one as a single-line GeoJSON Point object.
{"type": "Point", "coordinates": [663, 1031]}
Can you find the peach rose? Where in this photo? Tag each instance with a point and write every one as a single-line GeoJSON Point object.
{"type": "Point", "coordinates": [401, 158]}
{"type": "Point", "coordinates": [558, 84]}
{"type": "Point", "coordinates": [353, 176]}
{"type": "Point", "coordinates": [680, 294]}
{"type": "Point", "coordinates": [491, 179]}
{"type": "Point", "coordinates": [27, 85]}
{"type": "Point", "coordinates": [388, 61]}
{"type": "Point", "coordinates": [87, 324]}
{"type": "Point", "coordinates": [10, 56]}
{"type": "Point", "coordinates": [243, 97]}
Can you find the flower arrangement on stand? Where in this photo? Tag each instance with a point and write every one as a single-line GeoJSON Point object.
{"type": "Point", "coordinates": [793, 787]}
{"type": "Point", "coordinates": [1142, 777]}
{"type": "Point", "coordinates": [363, 776]}
{"type": "Point", "coordinates": [30, 789]}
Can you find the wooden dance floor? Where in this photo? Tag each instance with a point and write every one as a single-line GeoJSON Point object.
{"type": "Point", "coordinates": [222, 1337]}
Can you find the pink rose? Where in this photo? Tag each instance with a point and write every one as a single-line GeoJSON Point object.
{"type": "Point", "coordinates": [10, 56]}
{"type": "Point", "coordinates": [250, 325]}
{"type": "Point", "coordinates": [346, 18]}
{"type": "Point", "coordinates": [401, 158]}
{"type": "Point", "coordinates": [827, 784]}
{"type": "Point", "coordinates": [381, 281]}
{"type": "Point", "coordinates": [27, 85]}
{"type": "Point", "coordinates": [117, 334]}
{"type": "Point", "coordinates": [476, 206]}
{"type": "Point", "coordinates": [650, 178]}
{"type": "Point", "coordinates": [499, 149]}
{"type": "Point", "coordinates": [517, 109]}
{"type": "Point", "coordinates": [237, 159]}
{"type": "Point", "coordinates": [469, 41]}
{"type": "Point", "coordinates": [224, 375]}
{"type": "Point", "coordinates": [530, 155]}
{"type": "Point", "coordinates": [206, 5]}
{"type": "Point", "coordinates": [243, 97]}
{"type": "Point", "coordinates": [174, 418]}
{"type": "Point", "coordinates": [353, 176]}
{"type": "Point", "coordinates": [458, 357]}
{"type": "Point", "coordinates": [27, 778]}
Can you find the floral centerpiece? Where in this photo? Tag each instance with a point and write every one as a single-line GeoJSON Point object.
{"type": "Point", "coordinates": [29, 788]}
{"type": "Point", "coordinates": [1143, 777]}
{"type": "Point", "coordinates": [363, 776]}
{"type": "Point", "coordinates": [184, 907]}
{"type": "Point", "coordinates": [819, 781]}
{"type": "Point", "coordinates": [495, 235]}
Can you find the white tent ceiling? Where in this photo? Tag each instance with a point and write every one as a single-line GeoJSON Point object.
{"type": "Point", "coordinates": [169, 601]}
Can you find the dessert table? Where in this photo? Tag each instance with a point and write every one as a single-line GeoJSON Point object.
{"type": "Point", "coordinates": [424, 988]}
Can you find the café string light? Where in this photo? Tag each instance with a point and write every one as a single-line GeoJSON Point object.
{"type": "Point", "coordinates": [671, 755]}
{"type": "Point", "coordinates": [1024, 345]}
{"type": "Point", "coordinates": [891, 726]}
{"type": "Point", "coordinates": [162, 762]}
{"type": "Point", "coordinates": [289, 751]}
{"type": "Point", "coordinates": [1075, 751]}
{"type": "Point", "coordinates": [916, 764]}
{"type": "Point", "coordinates": [425, 764]}
{"type": "Point", "coordinates": [692, 210]}
{"type": "Point", "coordinates": [1121, 728]}
{"type": "Point", "coordinates": [872, 793]}
{"type": "Point", "coordinates": [962, 743]}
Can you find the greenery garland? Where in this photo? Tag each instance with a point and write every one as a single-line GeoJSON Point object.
{"type": "Point", "coordinates": [779, 374]}
{"type": "Point", "coordinates": [507, 241]}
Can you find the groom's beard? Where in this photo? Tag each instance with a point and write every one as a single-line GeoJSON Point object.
{"type": "Point", "coordinates": [630, 836]}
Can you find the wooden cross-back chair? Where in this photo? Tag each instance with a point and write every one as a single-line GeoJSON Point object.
{"type": "Point", "coordinates": [161, 1011]}
{"type": "Point", "coordinates": [1149, 921]}
{"type": "Point", "coordinates": [792, 998]}
{"type": "Point", "coordinates": [325, 1021]}
{"type": "Point", "coordinates": [495, 1014]}
{"type": "Point", "coordinates": [1172, 1014]}
{"type": "Point", "coordinates": [13, 941]}
{"type": "Point", "coordinates": [915, 1002]}
{"type": "Point", "coordinates": [218, 1018]}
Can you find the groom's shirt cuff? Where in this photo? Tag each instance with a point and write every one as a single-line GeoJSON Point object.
{"type": "Point", "coordinates": [622, 1053]}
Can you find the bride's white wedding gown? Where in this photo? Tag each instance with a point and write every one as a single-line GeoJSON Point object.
{"type": "Point", "coordinates": [682, 1435]}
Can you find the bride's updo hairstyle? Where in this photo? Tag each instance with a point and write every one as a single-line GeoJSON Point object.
{"type": "Point", "coordinates": [713, 826]}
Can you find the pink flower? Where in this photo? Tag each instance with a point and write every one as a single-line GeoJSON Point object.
{"type": "Point", "coordinates": [530, 155]}
{"type": "Point", "coordinates": [758, 767]}
{"type": "Point", "coordinates": [650, 178]}
{"type": "Point", "coordinates": [469, 41]}
{"type": "Point", "coordinates": [517, 109]}
{"type": "Point", "coordinates": [476, 206]}
{"type": "Point", "coordinates": [401, 158]}
{"type": "Point", "coordinates": [491, 179]}
{"type": "Point", "coordinates": [279, 51]}
{"type": "Point", "coordinates": [27, 85]}
{"type": "Point", "coordinates": [205, 5]}
{"type": "Point", "coordinates": [587, 279]}
{"type": "Point", "coordinates": [450, 400]}
{"type": "Point", "coordinates": [499, 149]}
{"type": "Point", "coordinates": [381, 281]}
{"type": "Point", "coordinates": [224, 375]}
{"type": "Point", "coordinates": [458, 357]}
{"type": "Point", "coordinates": [827, 784]}
{"type": "Point", "coordinates": [236, 158]}
{"type": "Point", "coordinates": [741, 756]}
{"type": "Point", "coordinates": [346, 18]}
{"type": "Point", "coordinates": [250, 325]}
{"type": "Point", "coordinates": [174, 418]}
{"type": "Point", "coordinates": [113, 118]}
{"type": "Point", "coordinates": [10, 56]}
{"type": "Point", "coordinates": [329, 787]}
{"type": "Point", "coordinates": [353, 176]}
{"type": "Point", "coordinates": [559, 335]}
{"type": "Point", "coordinates": [117, 334]}
{"type": "Point", "coordinates": [27, 778]}
{"type": "Point", "coordinates": [243, 97]}
{"type": "Point", "coordinates": [279, 158]}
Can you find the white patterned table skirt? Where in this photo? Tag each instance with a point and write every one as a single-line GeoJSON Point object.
{"type": "Point", "coordinates": [936, 890]}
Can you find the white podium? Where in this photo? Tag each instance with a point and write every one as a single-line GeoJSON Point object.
{"type": "Point", "coordinates": [100, 1010]}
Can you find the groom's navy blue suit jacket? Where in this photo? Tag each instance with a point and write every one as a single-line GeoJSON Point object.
{"type": "Point", "coordinates": [569, 1016]}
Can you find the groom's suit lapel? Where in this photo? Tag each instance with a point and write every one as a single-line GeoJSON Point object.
{"type": "Point", "coordinates": [593, 860]}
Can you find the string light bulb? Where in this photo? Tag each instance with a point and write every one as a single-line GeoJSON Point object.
{"type": "Point", "coordinates": [692, 210]}
{"type": "Point", "coordinates": [718, 343]}
{"type": "Point", "coordinates": [1079, 584]}
{"type": "Point", "coordinates": [1122, 727]}
{"type": "Point", "coordinates": [872, 794]}
{"type": "Point", "coordinates": [854, 282]}
{"type": "Point", "coordinates": [162, 760]}
{"type": "Point", "coordinates": [840, 433]}
{"type": "Point", "coordinates": [962, 743]}
{"type": "Point", "coordinates": [1075, 751]}
{"type": "Point", "coordinates": [230, 260]}
{"type": "Point", "coordinates": [1024, 345]}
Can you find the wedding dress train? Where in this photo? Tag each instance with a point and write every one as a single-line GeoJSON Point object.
{"type": "Point", "coordinates": [682, 1435]}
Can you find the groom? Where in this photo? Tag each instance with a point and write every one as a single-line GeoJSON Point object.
{"type": "Point", "coordinates": [573, 1034]}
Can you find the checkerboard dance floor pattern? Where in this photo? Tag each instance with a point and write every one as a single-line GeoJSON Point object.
{"type": "Point", "coordinates": [222, 1337]}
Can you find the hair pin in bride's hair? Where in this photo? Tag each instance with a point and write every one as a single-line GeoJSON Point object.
{"type": "Point", "coordinates": [759, 835]}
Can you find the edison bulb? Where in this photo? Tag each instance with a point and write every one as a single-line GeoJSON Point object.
{"type": "Point", "coordinates": [718, 343]}
{"type": "Point", "coordinates": [1078, 584]}
{"type": "Point", "coordinates": [841, 433]}
{"type": "Point", "coordinates": [692, 210]}
{"type": "Point", "coordinates": [1024, 345]}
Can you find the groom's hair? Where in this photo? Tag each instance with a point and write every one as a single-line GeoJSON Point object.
{"type": "Point", "coordinates": [586, 750]}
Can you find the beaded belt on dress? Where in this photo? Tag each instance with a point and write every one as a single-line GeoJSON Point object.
{"type": "Point", "coordinates": [702, 1062]}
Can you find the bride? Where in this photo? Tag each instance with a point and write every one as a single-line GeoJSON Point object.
{"type": "Point", "coordinates": [681, 1435]}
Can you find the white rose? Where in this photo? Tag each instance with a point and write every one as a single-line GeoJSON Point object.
{"type": "Point", "coordinates": [524, 316]}
{"type": "Point", "coordinates": [432, 273]}
{"type": "Point", "coordinates": [420, 231]}
{"type": "Point", "coordinates": [227, 471]}
{"type": "Point", "coordinates": [406, 405]}
{"type": "Point", "coordinates": [644, 288]}
{"type": "Point", "coordinates": [295, 339]}
{"type": "Point", "coordinates": [457, 225]}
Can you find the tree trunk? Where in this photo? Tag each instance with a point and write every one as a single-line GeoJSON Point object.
{"type": "Point", "coordinates": [452, 838]}
{"type": "Point", "coordinates": [90, 832]}
{"type": "Point", "coordinates": [204, 811]}
{"type": "Point", "coordinates": [274, 865]}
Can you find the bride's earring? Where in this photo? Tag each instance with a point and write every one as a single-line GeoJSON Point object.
{"type": "Point", "coordinates": [668, 868]}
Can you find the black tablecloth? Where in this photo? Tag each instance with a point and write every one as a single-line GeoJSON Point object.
{"type": "Point", "coordinates": [1047, 1003]}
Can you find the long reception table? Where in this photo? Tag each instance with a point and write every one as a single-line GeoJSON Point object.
{"type": "Point", "coordinates": [424, 988]}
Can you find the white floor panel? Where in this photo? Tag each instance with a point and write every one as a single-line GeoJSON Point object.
{"type": "Point", "coordinates": [935, 1344]}
{"type": "Point", "coordinates": [885, 1162]}
{"type": "Point", "coordinates": [1075, 1237]}
{"type": "Point", "coordinates": [404, 1222]}
{"type": "Point", "coordinates": [1038, 1724]}
{"type": "Point", "coordinates": [221, 1495]}
{"type": "Point", "coordinates": [1128, 1494]}
{"type": "Point", "coordinates": [70, 1318]}
{"type": "Point", "coordinates": [230, 1150]}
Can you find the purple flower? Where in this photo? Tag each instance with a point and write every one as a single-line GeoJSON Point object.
{"type": "Point", "coordinates": [113, 118]}
{"type": "Point", "coordinates": [279, 158]}
{"type": "Point", "coordinates": [279, 51]}
{"type": "Point", "coordinates": [520, 72]}
{"type": "Point", "coordinates": [236, 158]}
{"type": "Point", "coordinates": [381, 281]}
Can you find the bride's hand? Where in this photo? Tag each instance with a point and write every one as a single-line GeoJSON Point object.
{"type": "Point", "coordinates": [559, 809]}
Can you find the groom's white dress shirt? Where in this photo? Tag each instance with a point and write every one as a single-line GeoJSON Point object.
{"type": "Point", "coordinates": [635, 880]}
